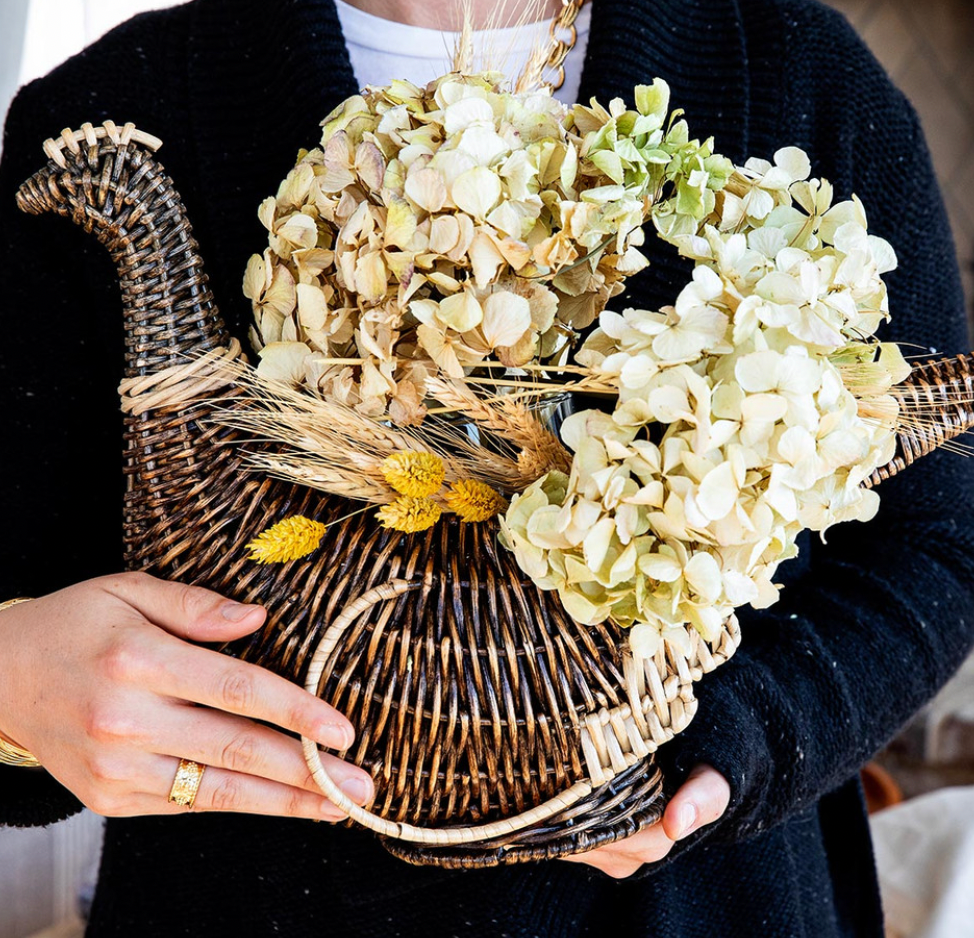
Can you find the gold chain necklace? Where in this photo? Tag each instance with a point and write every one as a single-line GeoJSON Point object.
{"type": "Point", "coordinates": [559, 48]}
{"type": "Point", "coordinates": [551, 58]}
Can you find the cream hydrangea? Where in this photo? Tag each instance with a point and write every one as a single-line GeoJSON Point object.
{"type": "Point", "coordinates": [441, 227]}
{"type": "Point", "coordinates": [749, 411]}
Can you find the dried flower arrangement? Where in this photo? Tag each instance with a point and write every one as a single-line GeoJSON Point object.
{"type": "Point", "coordinates": [441, 253]}
{"type": "Point", "coordinates": [415, 326]}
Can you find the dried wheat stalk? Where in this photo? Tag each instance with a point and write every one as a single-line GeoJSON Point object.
{"type": "Point", "coordinates": [507, 417]}
{"type": "Point", "coordinates": [332, 447]}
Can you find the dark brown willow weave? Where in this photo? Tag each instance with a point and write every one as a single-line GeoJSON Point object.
{"type": "Point", "coordinates": [467, 692]}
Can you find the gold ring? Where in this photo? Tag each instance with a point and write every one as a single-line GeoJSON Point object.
{"type": "Point", "coordinates": [186, 783]}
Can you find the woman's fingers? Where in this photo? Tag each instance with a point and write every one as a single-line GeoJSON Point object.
{"type": "Point", "coordinates": [624, 857]}
{"type": "Point", "coordinates": [188, 672]}
{"type": "Point", "coordinates": [240, 745]}
{"type": "Point", "coordinates": [700, 800]}
{"type": "Point", "coordinates": [224, 790]}
{"type": "Point", "coordinates": [121, 718]}
{"type": "Point", "coordinates": [189, 612]}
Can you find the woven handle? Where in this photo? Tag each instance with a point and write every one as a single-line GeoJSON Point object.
{"type": "Point", "coordinates": [442, 836]}
{"type": "Point", "coordinates": [611, 741]}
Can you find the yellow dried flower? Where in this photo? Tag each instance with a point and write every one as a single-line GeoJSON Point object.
{"type": "Point", "coordinates": [473, 500]}
{"type": "Point", "coordinates": [409, 514]}
{"type": "Point", "coordinates": [417, 475]}
{"type": "Point", "coordinates": [290, 539]}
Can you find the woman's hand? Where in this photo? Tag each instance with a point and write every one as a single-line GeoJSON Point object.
{"type": "Point", "coordinates": [99, 681]}
{"type": "Point", "coordinates": [701, 799]}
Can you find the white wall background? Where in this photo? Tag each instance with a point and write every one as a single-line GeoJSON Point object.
{"type": "Point", "coordinates": [44, 871]}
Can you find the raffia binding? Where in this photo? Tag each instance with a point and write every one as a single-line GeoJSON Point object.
{"type": "Point", "coordinates": [180, 384]}
{"type": "Point", "coordinates": [479, 705]}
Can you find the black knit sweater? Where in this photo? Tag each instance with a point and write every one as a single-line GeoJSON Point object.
{"type": "Point", "coordinates": [869, 626]}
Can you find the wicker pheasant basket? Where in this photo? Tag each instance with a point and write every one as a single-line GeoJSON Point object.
{"type": "Point", "coordinates": [496, 728]}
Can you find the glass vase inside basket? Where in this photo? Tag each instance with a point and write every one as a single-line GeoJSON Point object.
{"type": "Point", "coordinates": [551, 410]}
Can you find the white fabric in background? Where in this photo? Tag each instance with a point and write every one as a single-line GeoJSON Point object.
{"type": "Point", "coordinates": [382, 49]}
{"type": "Point", "coordinates": [57, 29]}
{"type": "Point", "coordinates": [925, 858]}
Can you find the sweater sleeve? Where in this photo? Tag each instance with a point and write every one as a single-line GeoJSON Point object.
{"type": "Point", "coordinates": [60, 488]}
{"type": "Point", "coordinates": [884, 613]}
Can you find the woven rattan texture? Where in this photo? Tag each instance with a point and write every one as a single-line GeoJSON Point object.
{"type": "Point", "coordinates": [475, 697]}
{"type": "Point", "coordinates": [468, 695]}
{"type": "Point", "coordinates": [940, 397]}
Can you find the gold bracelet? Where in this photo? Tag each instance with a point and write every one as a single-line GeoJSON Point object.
{"type": "Point", "coordinates": [11, 753]}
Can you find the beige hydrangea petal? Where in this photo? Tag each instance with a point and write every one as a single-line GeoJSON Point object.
{"type": "Point", "coordinates": [281, 295]}
{"type": "Point", "coordinates": [483, 145]}
{"type": "Point", "coordinates": [467, 112]}
{"type": "Point", "coordinates": [582, 609]}
{"type": "Point", "coordinates": [758, 371]}
{"type": "Point", "coordinates": [718, 492]}
{"type": "Point", "coordinates": [370, 165]}
{"type": "Point", "coordinates": [507, 317]}
{"type": "Point", "coordinates": [644, 640]}
{"type": "Point", "coordinates": [461, 311]}
{"type": "Point", "coordinates": [424, 311]}
{"type": "Point", "coordinates": [255, 277]}
{"type": "Point", "coordinates": [444, 234]}
{"type": "Point", "coordinates": [283, 361]}
{"type": "Point", "coordinates": [467, 232]}
{"type": "Point", "coordinates": [401, 223]}
{"type": "Point", "coordinates": [794, 162]}
{"type": "Point", "coordinates": [441, 349]}
{"type": "Point", "coordinates": [443, 282]}
{"type": "Point", "coordinates": [425, 187]}
{"type": "Point", "coordinates": [476, 191]}
{"type": "Point", "coordinates": [312, 308]}
{"type": "Point", "coordinates": [375, 384]}
{"type": "Point", "coordinates": [597, 542]}
{"type": "Point", "coordinates": [371, 276]}
{"type": "Point", "coordinates": [271, 325]}
{"type": "Point", "coordinates": [515, 252]}
{"type": "Point", "coordinates": [521, 353]}
{"type": "Point", "coordinates": [662, 567]}
{"type": "Point", "coordinates": [296, 186]}
{"type": "Point", "coordinates": [267, 213]}
{"type": "Point", "coordinates": [450, 164]}
{"type": "Point", "coordinates": [485, 258]}
{"type": "Point", "coordinates": [299, 230]}
{"type": "Point", "coordinates": [706, 620]}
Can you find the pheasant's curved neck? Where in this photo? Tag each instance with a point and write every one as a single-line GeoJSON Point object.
{"type": "Point", "coordinates": [130, 205]}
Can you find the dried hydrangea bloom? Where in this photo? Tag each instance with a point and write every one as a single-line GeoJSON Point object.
{"type": "Point", "coordinates": [439, 228]}
{"type": "Point", "coordinates": [750, 410]}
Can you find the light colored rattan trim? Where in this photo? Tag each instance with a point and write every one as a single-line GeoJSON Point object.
{"type": "Point", "coordinates": [178, 384]}
{"type": "Point", "coordinates": [661, 704]}
{"type": "Point", "coordinates": [71, 140]}
{"type": "Point", "coordinates": [611, 740]}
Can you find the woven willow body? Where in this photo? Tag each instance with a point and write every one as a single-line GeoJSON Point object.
{"type": "Point", "coordinates": [496, 728]}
